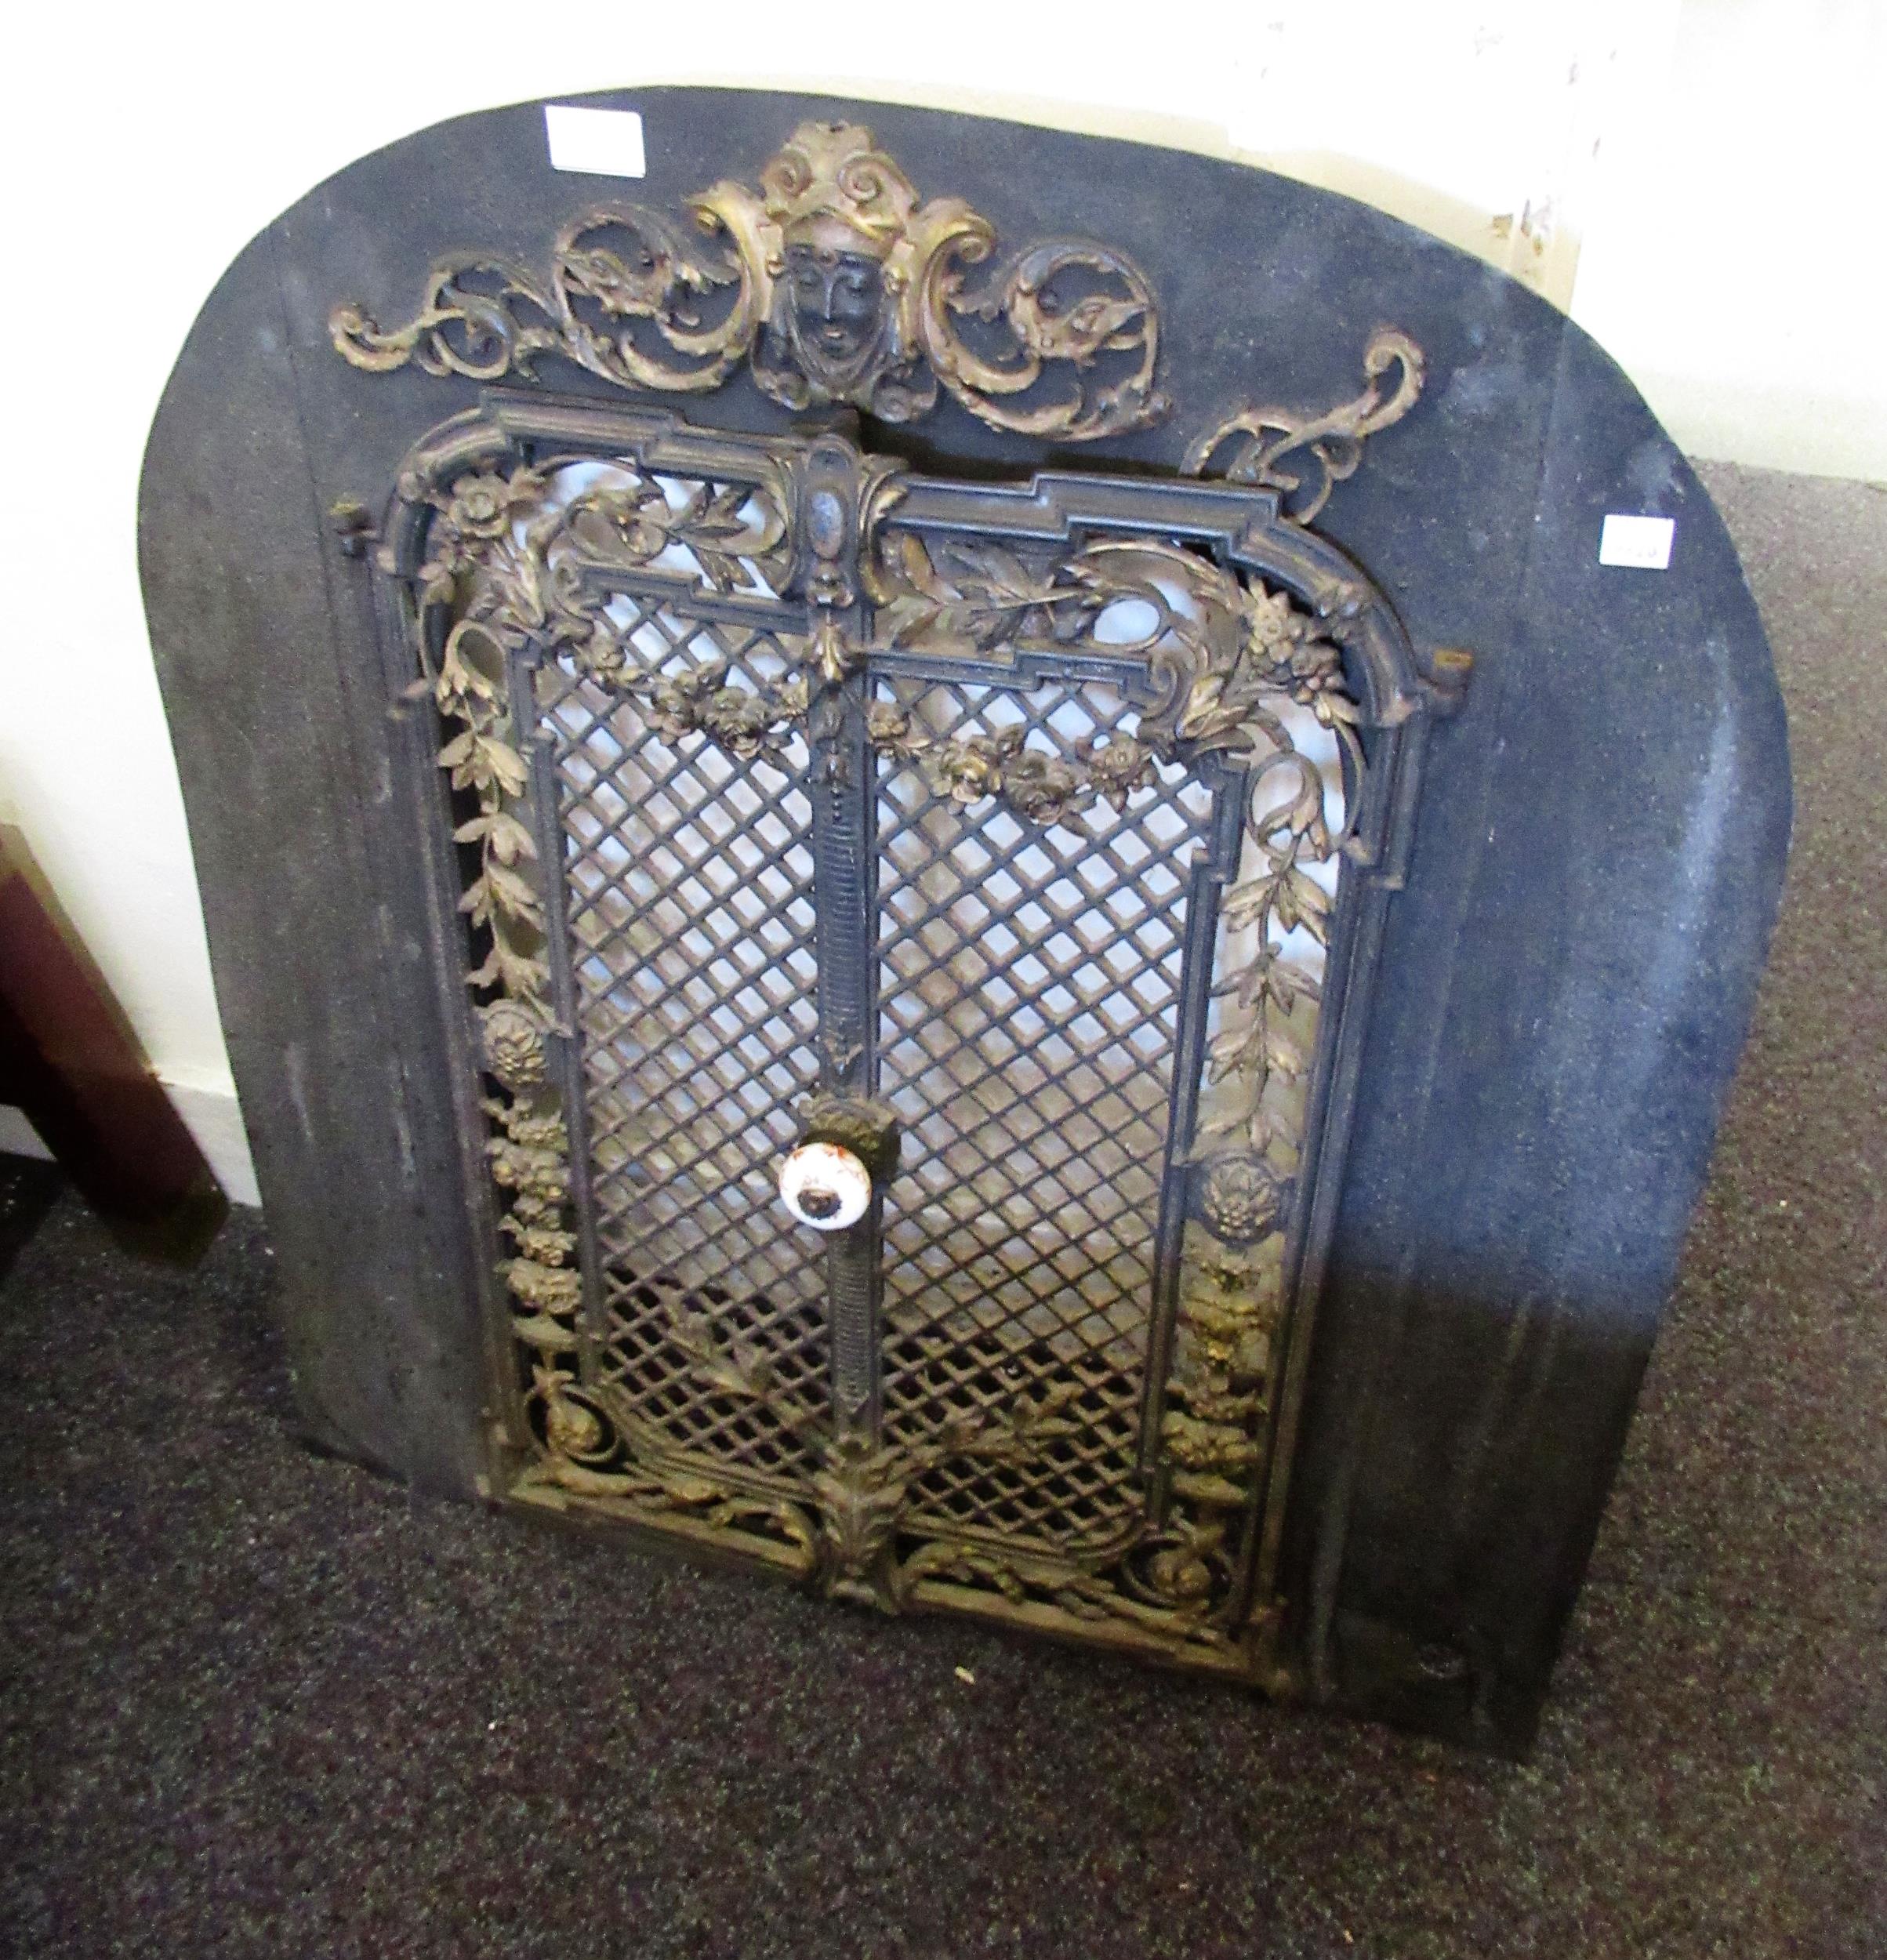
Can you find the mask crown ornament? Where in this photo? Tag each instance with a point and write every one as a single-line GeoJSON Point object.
{"type": "Point", "coordinates": [834, 282]}
{"type": "Point", "coordinates": [837, 170]}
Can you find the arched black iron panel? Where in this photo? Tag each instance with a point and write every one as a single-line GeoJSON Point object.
{"type": "Point", "coordinates": [1559, 969]}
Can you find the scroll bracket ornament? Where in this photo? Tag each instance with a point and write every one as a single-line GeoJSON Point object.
{"type": "Point", "coordinates": [1304, 455]}
{"type": "Point", "coordinates": [833, 282]}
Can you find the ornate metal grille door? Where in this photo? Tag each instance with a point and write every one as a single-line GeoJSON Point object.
{"type": "Point", "coordinates": [819, 822]}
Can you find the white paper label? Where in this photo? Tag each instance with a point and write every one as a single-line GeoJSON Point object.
{"type": "Point", "coordinates": [1643, 541]}
{"type": "Point", "coordinates": [601, 142]}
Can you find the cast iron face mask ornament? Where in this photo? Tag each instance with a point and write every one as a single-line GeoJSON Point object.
{"type": "Point", "coordinates": [836, 282]}
{"type": "Point", "coordinates": [678, 665]}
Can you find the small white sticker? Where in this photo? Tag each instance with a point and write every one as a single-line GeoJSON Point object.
{"type": "Point", "coordinates": [601, 142]}
{"type": "Point", "coordinates": [1643, 541]}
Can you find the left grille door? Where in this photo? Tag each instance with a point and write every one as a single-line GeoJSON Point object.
{"type": "Point", "coordinates": [690, 976]}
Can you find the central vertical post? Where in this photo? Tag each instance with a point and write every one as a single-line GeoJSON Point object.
{"type": "Point", "coordinates": [845, 893]}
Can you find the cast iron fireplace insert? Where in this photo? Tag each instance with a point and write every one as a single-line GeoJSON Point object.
{"type": "Point", "coordinates": [879, 922]}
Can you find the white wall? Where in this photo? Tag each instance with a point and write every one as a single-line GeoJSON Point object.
{"type": "Point", "coordinates": [1693, 179]}
{"type": "Point", "coordinates": [1732, 262]}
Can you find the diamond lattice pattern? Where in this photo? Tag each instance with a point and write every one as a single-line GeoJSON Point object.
{"type": "Point", "coordinates": [688, 892]}
{"type": "Point", "coordinates": [1030, 977]}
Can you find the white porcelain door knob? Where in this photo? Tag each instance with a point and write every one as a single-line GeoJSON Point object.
{"type": "Point", "coordinates": [825, 1186]}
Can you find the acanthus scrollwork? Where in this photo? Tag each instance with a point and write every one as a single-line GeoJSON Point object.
{"type": "Point", "coordinates": [1220, 649]}
{"type": "Point", "coordinates": [594, 1450]}
{"type": "Point", "coordinates": [843, 1536]}
{"type": "Point", "coordinates": [832, 281]}
{"type": "Point", "coordinates": [1304, 455]}
{"type": "Point", "coordinates": [523, 568]}
{"type": "Point", "coordinates": [1169, 1588]}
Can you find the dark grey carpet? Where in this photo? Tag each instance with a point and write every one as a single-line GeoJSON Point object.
{"type": "Point", "coordinates": [255, 1703]}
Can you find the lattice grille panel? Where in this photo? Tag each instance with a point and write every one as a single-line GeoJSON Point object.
{"type": "Point", "coordinates": [689, 900]}
{"type": "Point", "coordinates": [1031, 979]}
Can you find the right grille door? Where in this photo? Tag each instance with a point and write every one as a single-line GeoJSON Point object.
{"type": "Point", "coordinates": [1031, 977]}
